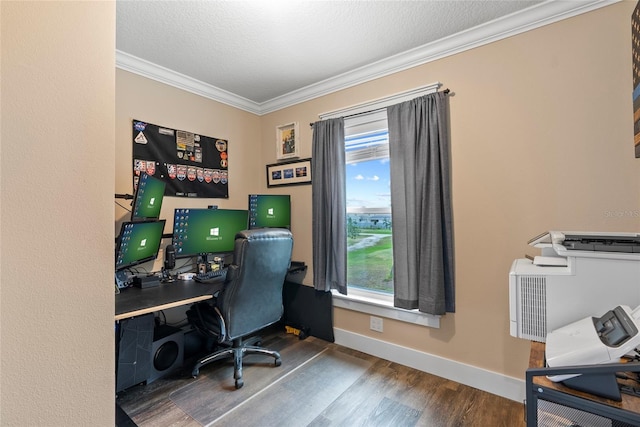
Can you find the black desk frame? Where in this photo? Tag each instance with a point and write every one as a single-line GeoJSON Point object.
{"type": "Point", "coordinates": [537, 391]}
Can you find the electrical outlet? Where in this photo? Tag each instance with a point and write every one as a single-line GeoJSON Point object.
{"type": "Point", "coordinates": [375, 323]}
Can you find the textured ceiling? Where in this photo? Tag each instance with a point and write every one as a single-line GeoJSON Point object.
{"type": "Point", "coordinates": [263, 50]}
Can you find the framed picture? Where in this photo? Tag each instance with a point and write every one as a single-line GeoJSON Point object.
{"type": "Point", "coordinates": [287, 146]}
{"type": "Point", "coordinates": [294, 172]}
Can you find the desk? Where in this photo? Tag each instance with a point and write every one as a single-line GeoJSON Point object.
{"type": "Point", "coordinates": [550, 403]}
{"type": "Point", "coordinates": [135, 324]}
{"type": "Point", "coordinates": [131, 302]}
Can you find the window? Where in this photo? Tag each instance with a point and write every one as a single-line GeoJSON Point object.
{"type": "Point", "coordinates": [370, 282]}
{"type": "Point", "coordinates": [369, 222]}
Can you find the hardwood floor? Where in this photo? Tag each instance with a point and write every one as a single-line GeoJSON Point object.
{"type": "Point", "coordinates": [319, 384]}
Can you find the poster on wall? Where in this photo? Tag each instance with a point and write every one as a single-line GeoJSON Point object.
{"type": "Point", "coordinates": [191, 165]}
{"type": "Point", "coordinates": [635, 54]}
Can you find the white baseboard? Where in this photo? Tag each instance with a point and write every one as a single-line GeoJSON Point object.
{"type": "Point", "coordinates": [491, 382]}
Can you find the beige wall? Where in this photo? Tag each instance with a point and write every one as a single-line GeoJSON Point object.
{"type": "Point", "coordinates": [57, 174]}
{"type": "Point", "coordinates": [542, 139]}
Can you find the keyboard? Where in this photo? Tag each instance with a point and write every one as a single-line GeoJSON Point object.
{"type": "Point", "coordinates": [211, 276]}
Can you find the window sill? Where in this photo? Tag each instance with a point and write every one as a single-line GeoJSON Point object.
{"type": "Point", "coordinates": [370, 303]}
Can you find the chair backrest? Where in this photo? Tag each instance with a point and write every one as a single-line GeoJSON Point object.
{"type": "Point", "coordinates": [252, 298]}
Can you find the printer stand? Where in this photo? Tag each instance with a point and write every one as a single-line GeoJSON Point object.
{"type": "Point", "coordinates": [554, 404]}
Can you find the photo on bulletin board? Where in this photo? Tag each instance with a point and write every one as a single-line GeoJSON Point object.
{"type": "Point", "coordinates": [287, 146]}
{"type": "Point", "coordinates": [296, 172]}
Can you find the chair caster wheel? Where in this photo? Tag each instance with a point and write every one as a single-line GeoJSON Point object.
{"type": "Point", "coordinates": [278, 362]}
{"type": "Point", "coordinates": [195, 373]}
{"type": "Point", "coordinates": [239, 384]}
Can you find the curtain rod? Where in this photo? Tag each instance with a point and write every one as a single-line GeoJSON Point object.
{"type": "Point", "coordinates": [446, 91]}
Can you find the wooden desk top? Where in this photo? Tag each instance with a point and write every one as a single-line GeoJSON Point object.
{"type": "Point", "coordinates": [131, 302]}
{"type": "Point", "coordinates": [537, 360]}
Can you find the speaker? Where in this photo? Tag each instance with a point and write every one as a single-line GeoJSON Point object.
{"type": "Point", "coordinates": [170, 257]}
{"type": "Point", "coordinates": [133, 350]}
{"type": "Point", "coordinates": [167, 352]}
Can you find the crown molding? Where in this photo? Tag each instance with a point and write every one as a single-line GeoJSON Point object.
{"type": "Point", "coordinates": [147, 69]}
{"type": "Point", "coordinates": [516, 23]}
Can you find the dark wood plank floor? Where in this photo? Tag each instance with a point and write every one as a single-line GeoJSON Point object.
{"type": "Point", "coordinates": [309, 389]}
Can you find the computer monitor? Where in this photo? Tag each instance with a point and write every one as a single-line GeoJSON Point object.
{"type": "Point", "coordinates": [147, 200]}
{"type": "Point", "coordinates": [269, 210]}
{"type": "Point", "coordinates": [206, 231]}
{"type": "Point", "coordinates": [138, 242]}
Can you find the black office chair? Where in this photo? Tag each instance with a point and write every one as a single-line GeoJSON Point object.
{"type": "Point", "coordinates": [251, 299]}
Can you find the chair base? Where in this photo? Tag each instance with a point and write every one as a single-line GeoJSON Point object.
{"type": "Point", "coordinates": [238, 350]}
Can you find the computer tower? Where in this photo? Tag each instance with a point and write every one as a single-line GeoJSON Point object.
{"type": "Point", "coordinates": [167, 352]}
{"type": "Point", "coordinates": [134, 338]}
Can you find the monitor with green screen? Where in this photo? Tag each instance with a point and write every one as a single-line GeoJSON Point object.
{"type": "Point", "coordinates": [269, 210]}
{"type": "Point", "coordinates": [206, 231]}
{"type": "Point", "coordinates": [138, 242]}
{"type": "Point", "coordinates": [147, 200]}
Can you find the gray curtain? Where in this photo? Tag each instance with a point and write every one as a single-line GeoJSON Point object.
{"type": "Point", "coordinates": [421, 204]}
{"type": "Point", "coordinates": [329, 206]}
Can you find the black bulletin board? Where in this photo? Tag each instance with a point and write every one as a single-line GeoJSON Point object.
{"type": "Point", "coordinates": [191, 165]}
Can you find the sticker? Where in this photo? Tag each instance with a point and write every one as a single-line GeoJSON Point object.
{"type": "Point", "coordinates": [139, 126]}
{"type": "Point", "coordinates": [165, 131]}
{"type": "Point", "coordinates": [223, 177]}
{"type": "Point", "coordinates": [171, 171]}
{"type": "Point", "coordinates": [151, 167]}
{"type": "Point", "coordinates": [184, 140]}
{"type": "Point", "coordinates": [200, 174]}
{"type": "Point", "coordinates": [216, 176]}
{"type": "Point", "coordinates": [221, 145]}
{"type": "Point", "coordinates": [198, 152]}
{"type": "Point", "coordinates": [182, 172]}
{"type": "Point", "coordinates": [208, 175]}
{"type": "Point", "coordinates": [223, 155]}
{"type": "Point", "coordinates": [223, 163]}
{"type": "Point", "coordinates": [141, 139]}
{"type": "Point", "coordinates": [139, 166]}
{"type": "Point", "coordinates": [191, 173]}
{"type": "Point", "coordinates": [196, 138]}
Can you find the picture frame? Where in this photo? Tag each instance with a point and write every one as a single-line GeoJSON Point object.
{"type": "Point", "coordinates": [295, 172]}
{"type": "Point", "coordinates": [287, 146]}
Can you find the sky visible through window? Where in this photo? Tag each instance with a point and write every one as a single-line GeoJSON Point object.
{"type": "Point", "coordinates": [368, 184]}
{"type": "Point", "coordinates": [367, 175]}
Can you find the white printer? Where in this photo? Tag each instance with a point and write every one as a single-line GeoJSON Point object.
{"type": "Point", "coordinates": [576, 274]}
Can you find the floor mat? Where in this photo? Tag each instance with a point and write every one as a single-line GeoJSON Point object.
{"type": "Point", "coordinates": [213, 392]}
{"type": "Point", "coordinates": [292, 394]}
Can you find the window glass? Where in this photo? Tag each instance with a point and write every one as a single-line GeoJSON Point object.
{"type": "Point", "coordinates": [369, 222]}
